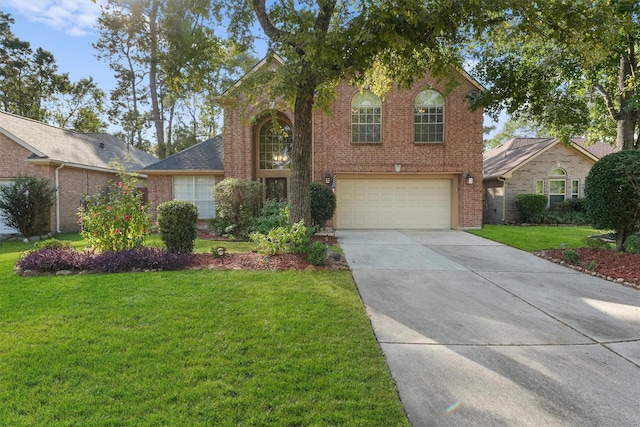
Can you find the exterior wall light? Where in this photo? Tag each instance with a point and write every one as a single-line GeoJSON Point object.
{"type": "Point", "coordinates": [327, 178]}
{"type": "Point", "coordinates": [398, 167]}
{"type": "Point", "coordinates": [469, 178]}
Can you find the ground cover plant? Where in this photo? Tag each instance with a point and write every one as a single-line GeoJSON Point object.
{"type": "Point", "coordinates": [192, 347]}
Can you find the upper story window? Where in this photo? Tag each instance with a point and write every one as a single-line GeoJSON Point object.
{"type": "Point", "coordinates": [274, 144]}
{"type": "Point", "coordinates": [366, 112]}
{"type": "Point", "coordinates": [429, 117]}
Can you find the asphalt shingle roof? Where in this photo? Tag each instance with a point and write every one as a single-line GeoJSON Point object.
{"type": "Point", "coordinates": [205, 156]}
{"type": "Point", "coordinates": [65, 146]}
{"type": "Point", "coordinates": [501, 160]}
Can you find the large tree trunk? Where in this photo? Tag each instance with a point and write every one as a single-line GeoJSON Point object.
{"type": "Point", "coordinates": [163, 150]}
{"type": "Point", "coordinates": [627, 118]}
{"type": "Point", "coordinates": [300, 204]}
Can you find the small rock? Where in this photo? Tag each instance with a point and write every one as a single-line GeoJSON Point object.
{"type": "Point", "coordinates": [310, 268]}
{"type": "Point", "coordinates": [64, 273]}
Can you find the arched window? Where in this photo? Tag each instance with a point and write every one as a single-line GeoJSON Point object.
{"type": "Point", "coordinates": [429, 117]}
{"type": "Point", "coordinates": [557, 186]}
{"type": "Point", "coordinates": [274, 143]}
{"type": "Point", "coordinates": [366, 112]}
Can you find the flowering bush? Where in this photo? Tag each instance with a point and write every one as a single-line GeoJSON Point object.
{"type": "Point", "coordinates": [115, 220]}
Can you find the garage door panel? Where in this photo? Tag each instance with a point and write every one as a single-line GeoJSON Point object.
{"type": "Point", "coordinates": [394, 203]}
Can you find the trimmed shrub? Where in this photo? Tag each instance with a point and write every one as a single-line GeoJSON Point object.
{"type": "Point", "coordinates": [52, 243]}
{"type": "Point", "coordinates": [26, 204]}
{"type": "Point", "coordinates": [274, 214]}
{"type": "Point", "coordinates": [317, 254]}
{"type": "Point", "coordinates": [237, 204]}
{"type": "Point", "coordinates": [530, 206]}
{"type": "Point", "coordinates": [178, 225]}
{"type": "Point", "coordinates": [323, 204]}
{"type": "Point", "coordinates": [611, 194]}
{"type": "Point", "coordinates": [115, 219]}
{"type": "Point", "coordinates": [632, 244]}
{"type": "Point", "coordinates": [571, 256]}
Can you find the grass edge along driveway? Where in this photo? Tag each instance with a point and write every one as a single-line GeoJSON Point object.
{"type": "Point", "coordinates": [537, 238]}
{"type": "Point", "coordinates": [227, 348]}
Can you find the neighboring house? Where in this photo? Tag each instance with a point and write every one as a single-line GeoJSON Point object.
{"type": "Point", "coordinates": [76, 164]}
{"type": "Point", "coordinates": [535, 166]}
{"type": "Point", "coordinates": [189, 175]}
{"type": "Point", "coordinates": [412, 160]}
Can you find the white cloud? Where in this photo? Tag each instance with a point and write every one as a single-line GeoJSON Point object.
{"type": "Point", "coordinates": [73, 17]}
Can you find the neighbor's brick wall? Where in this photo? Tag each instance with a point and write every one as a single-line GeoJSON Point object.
{"type": "Point", "coordinates": [524, 179]}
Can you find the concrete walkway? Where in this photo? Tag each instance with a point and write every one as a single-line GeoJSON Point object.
{"type": "Point", "coordinates": [476, 333]}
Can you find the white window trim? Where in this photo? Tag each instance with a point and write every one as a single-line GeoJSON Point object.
{"type": "Point", "coordinates": [441, 141]}
{"type": "Point", "coordinates": [192, 198]}
{"type": "Point", "coordinates": [575, 195]}
{"type": "Point", "coordinates": [564, 195]}
{"type": "Point", "coordinates": [379, 123]}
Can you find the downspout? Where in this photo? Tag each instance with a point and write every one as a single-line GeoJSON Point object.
{"type": "Point", "coordinates": [58, 199]}
{"type": "Point", "coordinates": [503, 180]}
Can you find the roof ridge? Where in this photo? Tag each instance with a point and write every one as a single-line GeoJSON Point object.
{"type": "Point", "coordinates": [43, 123]}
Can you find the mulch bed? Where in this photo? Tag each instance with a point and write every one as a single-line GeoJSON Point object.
{"type": "Point", "coordinates": [254, 261]}
{"type": "Point", "coordinates": [619, 267]}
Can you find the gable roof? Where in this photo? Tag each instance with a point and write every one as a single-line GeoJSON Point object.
{"type": "Point", "coordinates": [207, 156]}
{"type": "Point", "coordinates": [50, 144]}
{"type": "Point", "coordinates": [511, 155]}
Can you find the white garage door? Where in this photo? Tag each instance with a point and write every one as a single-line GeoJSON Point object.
{"type": "Point", "coordinates": [393, 203]}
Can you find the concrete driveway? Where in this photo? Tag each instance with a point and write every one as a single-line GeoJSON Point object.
{"type": "Point", "coordinates": [476, 333]}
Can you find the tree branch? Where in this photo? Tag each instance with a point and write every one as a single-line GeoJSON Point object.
{"type": "Point", "coordinates": [270, 30]}
{"type": "Point", "coordinates": [611, 108]}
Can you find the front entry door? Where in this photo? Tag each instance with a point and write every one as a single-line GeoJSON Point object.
{"type": "Point", "coordinates": [276, 188]}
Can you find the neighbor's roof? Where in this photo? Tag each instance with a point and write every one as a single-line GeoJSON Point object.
{"type": "Point", "coordinates": [207, 156]}
{"type": "Point", "coordinates": [516, 152]}
{"type": "Point", "coordinates": [60, 146]}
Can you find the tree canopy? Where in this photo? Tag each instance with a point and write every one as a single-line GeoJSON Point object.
{"type": "Point", "coordinates": [373, 42]}
{"type": "Point", "coordinates": [570, 66]}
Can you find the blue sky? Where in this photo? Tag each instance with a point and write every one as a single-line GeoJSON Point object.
{"type": "Point", "coordinates": [64, 28]}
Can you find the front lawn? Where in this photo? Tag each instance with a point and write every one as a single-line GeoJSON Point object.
{"type": "Point", "coordinates": [222, 348]}
{"type": "Point", "coordinates": [537, 238]}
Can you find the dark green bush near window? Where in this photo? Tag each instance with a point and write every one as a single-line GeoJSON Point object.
{"type": "Point", "coordinates": [570, 205]}
{"type": "Point", "coordinates": [274, 214]}
{"type": "Point", "coordinates": [611, 194]}
{"type": "Point", "coordinates": [323, 204]}
{"type": "Point", "coordinates": [530, 206]}
{"type": "Point", "coordinates": [178, 225]}
{"type": "Point", "coordinates": [237, 204]}
{"type": "Point", "coordinates": [26, 204]}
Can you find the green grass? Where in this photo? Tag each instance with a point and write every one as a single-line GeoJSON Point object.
{"type": "Point", "coordinates": [537, 238]}
{"type": "Point", "coordinates": [223, 348]}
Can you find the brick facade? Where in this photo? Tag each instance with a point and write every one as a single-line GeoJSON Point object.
{"type": "Point", "coordinates": [73, 182]}
{"type": "Point", "coordinates": [459, 155]}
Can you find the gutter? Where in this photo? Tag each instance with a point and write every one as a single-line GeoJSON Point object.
{"type": "Point", "coordinates": [58, 198]}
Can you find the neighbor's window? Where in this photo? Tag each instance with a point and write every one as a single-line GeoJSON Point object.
{"type": "Point", "coordinates": [575, 188]}
{"type": "Point", "coordinates": [429, 117]}
{"type": "Point", "coordinates": [557, 187]}
{"type": "Point", "coordinates": [539, 186]}
{"type": "Point", "coordinates": [275, 145]}
{"type": "Point", "coordinates": [197, 190]}
{"type": "Point", "coordinates": [366, 112]}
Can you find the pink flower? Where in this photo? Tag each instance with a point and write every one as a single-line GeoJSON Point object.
{"type": "Point", "coordinates": [118, 231]}
{"type": "Point", "coordinates": [108, 207]}
{"type": "Point", "coordinates": [119, 184]}
{"type": "Point", "coordinates": [127, 217]}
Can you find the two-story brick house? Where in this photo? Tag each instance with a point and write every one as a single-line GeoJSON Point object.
{"type": "Point", "coordinates": [412, 160]}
